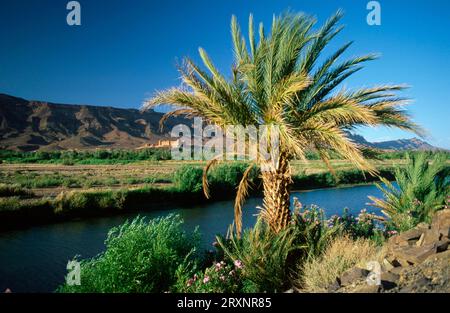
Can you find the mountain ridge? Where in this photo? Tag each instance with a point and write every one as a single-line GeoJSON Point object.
{"type": "Point", "coordinates": [38, 125]}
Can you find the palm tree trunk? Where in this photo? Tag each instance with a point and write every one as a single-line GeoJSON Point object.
{"type": "Point", "coordinates": [276, 182]}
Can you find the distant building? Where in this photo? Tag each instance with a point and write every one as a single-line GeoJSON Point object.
{"type": "Point", "coordinates": [162, 143]}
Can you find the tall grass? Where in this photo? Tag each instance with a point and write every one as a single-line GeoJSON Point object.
{"type": "Point", "coordinates": [13, 190]}
{"type": "Point", "coordinates": [340, 255]}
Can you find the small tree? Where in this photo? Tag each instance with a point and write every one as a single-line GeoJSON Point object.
{"type": "Point", "coordinates": [423, 188]}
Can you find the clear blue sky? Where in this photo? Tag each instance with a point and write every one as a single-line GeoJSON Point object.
{"type": "Point", "coordinates": [125, 50]}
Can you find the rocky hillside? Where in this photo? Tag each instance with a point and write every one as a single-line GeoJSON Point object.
{"type": "Point", "coordinates": [400, 144]}
{"type": "Point", "coordinates": [417, 260]}
{"type": "Point", "coordinates": [35, 125]}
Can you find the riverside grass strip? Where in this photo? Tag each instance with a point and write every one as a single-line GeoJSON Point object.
{"type": "Point", "coordinates": [17, 211]}
{"type": "Point", "coordinates": [51, 179]}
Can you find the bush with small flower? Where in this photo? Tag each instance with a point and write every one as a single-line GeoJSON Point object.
{"type": "Point", "coordinates": [316, 231]}
{"type": "Point", "coordinates": [220, 277]}
{"type": "Point", "coordinates": [364, 225]}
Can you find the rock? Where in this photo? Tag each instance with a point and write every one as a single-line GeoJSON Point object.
{"type": "Point", "coordinates": [396, 258]}
{"type": "Point", "coordinates": [431, 236]}
{"type": "Point", "coordinates": [397, 270]}
{"type": "Point", "coordinates": [395, 263]}
{"type": "Point", "coordinates": [289, 291]}
{"type": "Point", "coordinates": [352, 275]}
{"type": "Point", "coordinates": [397, 241]}
{"type": "Point", "coordinates": [433, 275]}
{"type": "Point", "coordinates": [421, 253]}
{"type": "Point", "coordinates": [387, 265]}
{"type": "Point", "coordinates": [334, 286]}
{"type": "Point", "coordinates": [441, 217]}
{"type": "Point", "coordinates": [367, 289]}
{"type": "Point", "coordinates": [423, 226]}
{"type": "Point", "coordinates": [442, 245]}
{"type": "Point", "coordinates": [445, 232]}
{"type": "Point", "coordinates": [389, 280]}
{"type": "Point", "coordinates": [414, 255]}
{"type": "Point", "coordinates": [412, 235]}
{"type": "Point", "coordinates": [407, 238]}
{"type": "Point", "coordinates": [441, 222]}
{"type": "Point", "coordinates": [420, 241]}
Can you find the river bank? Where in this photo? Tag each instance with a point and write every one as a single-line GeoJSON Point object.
{"type": "Point", "coordinates": [21, 208]}
{"type": "Point", "coordinates": [46, 249]}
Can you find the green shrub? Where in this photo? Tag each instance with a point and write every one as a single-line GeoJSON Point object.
{"type": "Point", "coordinates": [315, 231]}
{"type": "Point", "coordinates": [326, 179]}
{"type": "Point", "coordinates": [87, 202]}
{"type": "Point", "coordinates": [264, 256]}
{"type": "Point", "coordinates": [7, 190]}
{"type": "Point", "coordinates": [423, 188]}
{"type": "Point", "coordinates": [225, 178]}
{"type": "Point", "coordinates": [68, 162]}
{"type": "Point", "coordinates": [139, 257]}
{"type": "Point", "coordinates": [47, 181]}
{"type": "Point", "coordinates": [10, 204]}
{"type": "Point", "coordinates": [364, 225]}
{"type": "Point", "coordinates": [14, 210]}
{"type": "Point", "coordinates": [188, 179]}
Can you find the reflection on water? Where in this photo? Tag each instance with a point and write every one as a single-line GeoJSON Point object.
{"type": "Point", "coordinates": [35, 259]}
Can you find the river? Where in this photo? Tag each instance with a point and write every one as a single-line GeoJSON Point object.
{"type": "Point", "coordinates": [35, 259]}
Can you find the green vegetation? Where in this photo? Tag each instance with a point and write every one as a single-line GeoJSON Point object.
{"type": "Point", "coordinates": [108, 156]}
{"type": "Point", "coordinates": [101, 156]}
{"type": "Point", "coordinates": [264, 256]}
{"type": "Point", "coordinates": [423, 188]}
{"type": "Point", "coordinates": [341, 177]}
{"type": "Point", "coordinates": [309, 253]}
{"type": "Point", "coordinates": [341, 254]}
{"type": "Point", "coordinates": [14, 190]}
{"type": "Point", "coordinates": [83, 179]}
{"type": "Point", "coordinates": [140, 257]}
{"type": "Point", "coordinates": [188, 178]}
{"type": "Point", "coordinates": [186, 188]}
{"type": "Point", "coordinates": [159, 256]}
{"type": "Point", "coordinates": [277, 81]}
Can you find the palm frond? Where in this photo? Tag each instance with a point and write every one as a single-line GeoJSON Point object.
{"type": "Point", "coordinates": [242, 193]}
{"type": "Point", "coordinates": [205, 183]}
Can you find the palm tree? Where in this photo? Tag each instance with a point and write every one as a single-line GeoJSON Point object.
{"type": "Point", "coordinates": [276, 80]}
{"type": "Point", "coordinates": [423, 188]}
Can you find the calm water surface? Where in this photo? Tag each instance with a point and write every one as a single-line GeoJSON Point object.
{"type": "Point", "coordinates": [35, 259]}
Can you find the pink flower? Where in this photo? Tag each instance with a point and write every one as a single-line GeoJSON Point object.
{"type": "Point", "coordinates": [190, 282]}
{"type": "Point", "coordinates": [238, 264]}
{"type": "Point", "coordinates": [206, 279]}
{"type": "Point", "coordinates": [222, 278]}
